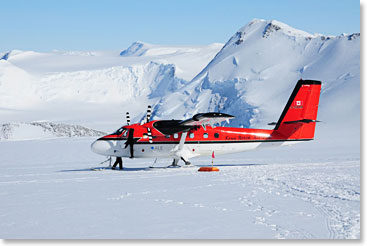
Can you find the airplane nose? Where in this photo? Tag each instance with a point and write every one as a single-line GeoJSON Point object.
{"type": "Point", "coordinates": [101, 147]}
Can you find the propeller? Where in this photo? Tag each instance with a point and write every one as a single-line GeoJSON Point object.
{"type": "Point", "coordinates": [149, 113]}
{"type": "Point", "coordinates": [130, 142]}
{"type": "Point", "coordinates": [150, 136]}
{"type": "Point", "coordinates": [130, 138]}
{"type": "Point", "coordinates": [128, 118]}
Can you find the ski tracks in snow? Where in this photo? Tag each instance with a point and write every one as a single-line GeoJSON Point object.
{"type": "Point", "coordinates": [314, 200]}
{"type": "Point", "coordinates": [330, 188]}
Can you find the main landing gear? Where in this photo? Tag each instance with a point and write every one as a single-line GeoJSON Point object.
{"type": "Point", "coordinates": [177, 150]}
{"type": "Point", "coordinates": [175, 162]}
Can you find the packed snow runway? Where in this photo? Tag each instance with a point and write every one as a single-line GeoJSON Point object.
{"type": "Point", "coordinates": [47, 190]}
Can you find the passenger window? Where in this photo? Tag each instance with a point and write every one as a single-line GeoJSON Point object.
{"type": "Point", "coordinates": [205, 135]}
{"type": "Point", "coordinates": [168, 136]}
{"type": "Point", "coordinates": [192, 135]}
{"type": "Point", "coordinates": [216, 135]}
{"type": "Point", "coordinates": [175, 135]}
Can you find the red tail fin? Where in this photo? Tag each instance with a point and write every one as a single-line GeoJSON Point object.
{"type": "Point", "coordinates": [298, 119]}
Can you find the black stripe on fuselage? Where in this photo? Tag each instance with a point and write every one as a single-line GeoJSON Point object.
{"type": "Point", "coordinates": [213, 142]}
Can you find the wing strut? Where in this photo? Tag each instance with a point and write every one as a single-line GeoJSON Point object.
{"type": "Point", "coordinates": [177, 150]}
{"type": "Point", "coordinates": [182, 141]}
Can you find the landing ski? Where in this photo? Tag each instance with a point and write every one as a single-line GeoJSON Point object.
{"type": "Point", "coordinates": [101, 169]}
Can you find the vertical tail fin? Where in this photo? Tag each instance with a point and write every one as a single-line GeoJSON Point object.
{"type": "Point", "coordinates": [298, 119]}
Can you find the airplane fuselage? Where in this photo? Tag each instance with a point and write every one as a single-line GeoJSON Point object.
{"type": "Point", "coordinates": [198, 142]}
{"type": "Point", "coordinates": [197, 136]}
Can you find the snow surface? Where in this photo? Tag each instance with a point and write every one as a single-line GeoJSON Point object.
{"type": "Point", "coordinates": [48, 191]}
{"type": "Point", "coordinates": [311, 190]}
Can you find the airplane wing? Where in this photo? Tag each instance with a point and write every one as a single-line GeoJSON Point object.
{"type": "Point", "coordinates": [168, 127]}
{"type": "Point", "coordinates": [205, 119]}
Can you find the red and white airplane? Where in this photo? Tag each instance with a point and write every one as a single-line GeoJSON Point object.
{"type": "Point", "coordinates": [198, 136]}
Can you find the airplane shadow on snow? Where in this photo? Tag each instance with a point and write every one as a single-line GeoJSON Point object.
{"type": "Point", "coordinates": [234, 165]}
{"type": "Point", "coordinates": [107, 169]}
{"type": "Point", "coordinates": [135, 169]}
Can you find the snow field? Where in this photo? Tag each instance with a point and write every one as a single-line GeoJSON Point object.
{"type": "Point", "coordinates": [48, 193]}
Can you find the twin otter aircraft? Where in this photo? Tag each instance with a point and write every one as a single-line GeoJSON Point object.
{"type": "Point", "coordinates": [185, 139]}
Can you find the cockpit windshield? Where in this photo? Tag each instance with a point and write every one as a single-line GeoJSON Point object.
{"type": "Point", "coordinates": [119, 131]}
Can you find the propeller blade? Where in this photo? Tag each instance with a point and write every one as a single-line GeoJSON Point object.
{"type": "Point", "coordinates": [128, 118]}
{"type": "Point", "coordinates": [149, 113]}
{"type": "Point", "coordinates": [150, 136]}
{"type": "Point", "coordinates": [130, 141]}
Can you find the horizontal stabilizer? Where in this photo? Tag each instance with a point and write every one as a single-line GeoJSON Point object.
{"type": "Point", "coordinates": [300, 121]}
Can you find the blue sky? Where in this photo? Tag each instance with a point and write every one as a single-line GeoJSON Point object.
{"type": "Point", "coordinates": [44, 25]}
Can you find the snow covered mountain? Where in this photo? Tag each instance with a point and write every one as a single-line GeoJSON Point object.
{"type": "Point", "coordinates": [260, 64]}
{"type": "Point", "coordinates": [251, 77]}
{"type": "Point", "coordinates": [101, 84]}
